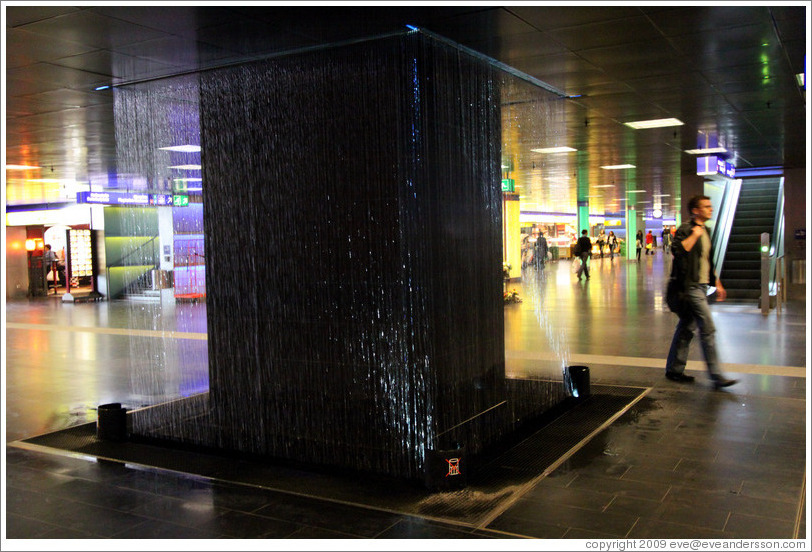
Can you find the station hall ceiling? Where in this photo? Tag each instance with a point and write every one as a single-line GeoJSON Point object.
{"type": "Point", "coordinates": [725, 71]}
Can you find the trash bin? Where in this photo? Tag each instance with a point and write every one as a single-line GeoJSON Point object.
{"type": "Point", "coordinates": [579, 376]}
{"type": "Point", "coordinates": [161, 279]}
{"type": "Point", "coordinates": [554, 252]}
{"type": "Point", "coordinates": [446, 470]}
{"type": "Point", "coordinates": [111, 424]}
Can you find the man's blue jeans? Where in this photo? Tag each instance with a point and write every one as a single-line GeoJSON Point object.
{"type": "Point", "coordinates": [695, 314]}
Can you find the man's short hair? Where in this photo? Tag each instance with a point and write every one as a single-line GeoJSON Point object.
{"type": "Point", "coordinates": [583, 232]}
{"type": "Point", "coordinates": [693, 203]}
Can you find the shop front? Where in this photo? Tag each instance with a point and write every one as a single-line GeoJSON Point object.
{"type": "Point", "coordinates": [52, 252]}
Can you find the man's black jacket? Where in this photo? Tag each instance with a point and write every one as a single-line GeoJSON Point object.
{"type": "Point", "coordinates": [685, 268]}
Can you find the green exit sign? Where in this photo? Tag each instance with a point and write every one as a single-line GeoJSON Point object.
{"type": "Point", "coordinates": [180, 201]}
{"type": "Point", "coordinates": [508, 185]}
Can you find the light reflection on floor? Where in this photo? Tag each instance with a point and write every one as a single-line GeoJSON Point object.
{"type": "Point", "coordinates": [63, 359]}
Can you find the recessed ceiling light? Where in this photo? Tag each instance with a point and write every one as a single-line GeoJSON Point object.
{"type": "Point", "coordinates": [654, 123]}
{"type": "Point", "coordinates": [559, 149]}
{"type": "Point", "coordinates": [605, 186]}
{"type": "Point", "coordinates": [186, 167]}
{"type": "Point", "coordinates": [20, 167]}
{"type": "Point", "coordinates": [187, 148]}
{"type": "Point", "coordinates": [704, 151]}
{"type": "Point", "coordinates": [615, 167]}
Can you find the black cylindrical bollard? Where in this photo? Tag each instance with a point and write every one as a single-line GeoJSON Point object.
{"type": "Point", "coordinates": [579, 376]}
{"type": "Point", "coordinates": [111, 424]}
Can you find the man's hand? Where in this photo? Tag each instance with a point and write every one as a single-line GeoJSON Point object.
{"type": "Point", "coordinates": [721, 292]}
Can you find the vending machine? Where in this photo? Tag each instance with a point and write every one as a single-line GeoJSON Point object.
{"type": "Point", "coordinates": [81, 263]}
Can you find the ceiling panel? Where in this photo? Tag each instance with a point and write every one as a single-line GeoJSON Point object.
{"type": "Point", "coordinates": [18, 15]}
{"type": "Point", "coordinates": [606, 33]}
{"type": "Point", "coordinates": [572, 16]}
{"type": "Point", "coordinates": [26, 48]}
{"type": "Point", "coordinates": [181, 54]}
{"type": "Point", "coordinates": [175, 20]}
{"type": "Point", "coordinates": [480, 25]}
{"type": "Point", "coordinates": [115, 65]}
{"type": "Point", "coordinates": [48, 73]}
{"type": "Point", "coordinates": [87, 27]}
{"type": "Point", "coordinates": [63, 97]}
{"type": "Point", "coordinates": [518, 46]}
{"type": "Point", "coordinates": [705, 19]}
{"type": "Point", "coordinates": [652, 57]}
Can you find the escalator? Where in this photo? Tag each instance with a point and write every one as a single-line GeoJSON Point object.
{"type": "Point", "coordinates": [756, 212]}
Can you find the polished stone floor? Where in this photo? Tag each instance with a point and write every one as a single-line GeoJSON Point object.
{"type": "Point", "coordinates": [684, 462]}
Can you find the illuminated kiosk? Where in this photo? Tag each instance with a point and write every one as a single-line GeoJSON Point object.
{"type": "Point", "coordinates": [352, 213]}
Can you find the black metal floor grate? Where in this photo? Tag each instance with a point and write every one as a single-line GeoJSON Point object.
{"type": "Point", "coordinates": [498, 482]}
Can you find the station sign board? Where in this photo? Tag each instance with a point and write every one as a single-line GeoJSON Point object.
{"type": "Point", "coordinates": [127, 198]}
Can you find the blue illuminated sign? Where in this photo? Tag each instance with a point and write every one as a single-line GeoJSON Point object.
{"type": "Point", "coordinates": [711, 165]}
{"type": "Point", "coordinates": [113, 198]}
{"type": "Point", "coordinates": [724, 168]}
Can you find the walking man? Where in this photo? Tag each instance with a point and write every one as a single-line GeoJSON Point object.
{"type": "Point", "coordinates": [692, 268]}
{"type": "Point", "coordinates": [585, 247]}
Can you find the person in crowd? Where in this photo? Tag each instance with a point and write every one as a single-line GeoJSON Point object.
{"type": "Point", "coordinates": [601, 239]}
{"type": "Point", "coordinates": [611, 242]}
{"type": "Point", "coordinates": [584, 247]}
{"type": "Point", "coordinates": [541, 251]}
{"type": "Point", "coordinates": [666, 238]}
{"type": "Point", "coordinates": [50, 261]}
{"type": "Point", "coordinates": [692, 268]}
{"type": "Point", "coordinates": [639, 243]}
{"type": "Point", "coordinates": [649, 243]}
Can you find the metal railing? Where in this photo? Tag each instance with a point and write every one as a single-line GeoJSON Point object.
{"type": "Point", "coordinates": [773, 272]}
{"type": "Point", "coordinates": [777, 243]}
{"type": "Point", "coordinates": [724, 221]}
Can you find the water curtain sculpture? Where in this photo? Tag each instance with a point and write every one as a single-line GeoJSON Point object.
{"type": "Point", "coordinates": [352, 213]}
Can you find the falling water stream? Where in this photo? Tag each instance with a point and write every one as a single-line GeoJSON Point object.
{"type": "Point", "coordinates": [352, 224]}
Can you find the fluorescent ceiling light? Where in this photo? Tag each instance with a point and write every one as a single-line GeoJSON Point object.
{"type": "Point", "coordinates": [662, 195]}
{"type": "Point", "coordinates": [654, 123]}
{"type": "Point", "coordinates": [615, 167]}
{"type": "Point", "coordinates": [187, 148]}
{"type": "Point", "coordinates": [186, 167]}
{"type": "Point", "coordinates": [187, 179]}
{"type": "Point", "coordinates": [605, 186]}
{"type": "Point", "coordinates": [635, 191]}
{"type": "Point", "coordinates": [559, 149]}
{"type": "Point", "coordinates": [705, 150]}
{"type": "Point", "coordinates": [801, 78]}
{"type": "Point", "coordinates": [20, 167]}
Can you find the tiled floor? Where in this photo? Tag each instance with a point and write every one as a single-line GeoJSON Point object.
{"type": "Point", "coordinates": [683, 462]}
